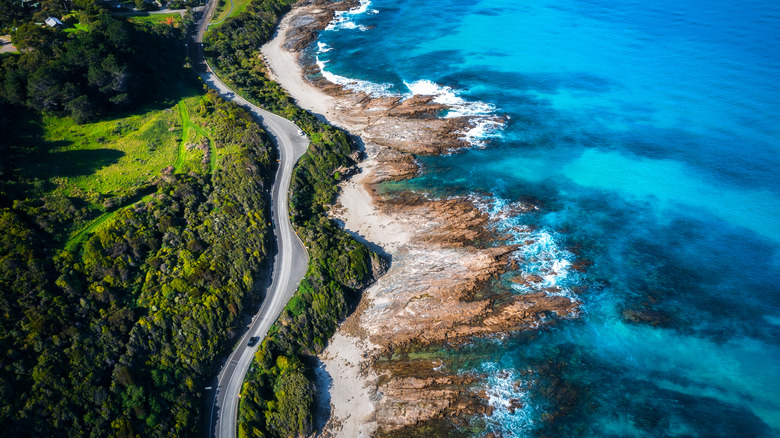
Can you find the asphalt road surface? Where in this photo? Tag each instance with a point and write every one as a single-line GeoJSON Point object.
{"type": "Point", "coordinates": [290, 262]}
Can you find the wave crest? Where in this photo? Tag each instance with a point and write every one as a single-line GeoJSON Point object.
{"type": "Point", "coordinates": [343, 19]}
{"type": "Point", "coordinates": [371, 88]}
{"type": "Point", "coordinates": [485, 124]}
{"type": "Point", "coordinates": [541, 257]}
{"type": "Point", "coordinates": [513, 413]}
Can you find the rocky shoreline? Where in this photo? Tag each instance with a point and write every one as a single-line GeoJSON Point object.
{"type": "Point", "coordinates": [444, 286]}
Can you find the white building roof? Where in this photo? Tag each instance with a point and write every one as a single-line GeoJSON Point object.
{"type": "Point", "coordinates": [51, 21]}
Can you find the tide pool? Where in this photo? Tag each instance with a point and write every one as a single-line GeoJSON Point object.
{"type": "Point", "coordinates": [648, 136]}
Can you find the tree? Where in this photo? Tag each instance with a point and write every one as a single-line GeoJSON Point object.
{"type": "Point", "coordinates": [294, 397]}
{"type": "Point", "coordinates": [81, 109]}
{"type": "Point", "coordinates": [30, 36]}
{"type": "Point", "coordinates": [10, 11]}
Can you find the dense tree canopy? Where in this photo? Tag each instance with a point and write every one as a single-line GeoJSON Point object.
{"type": "Point", "coordinates": [87, 74]}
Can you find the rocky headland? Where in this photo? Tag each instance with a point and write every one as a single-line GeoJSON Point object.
{"type": "Point", "coordinates": [451, 267]}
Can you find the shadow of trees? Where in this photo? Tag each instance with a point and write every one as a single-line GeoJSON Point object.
{"type": "Point", "coordinates": [80, 162]}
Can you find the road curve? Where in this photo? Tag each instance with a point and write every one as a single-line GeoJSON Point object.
{"type": "Point", "coordinates": [290, 262]}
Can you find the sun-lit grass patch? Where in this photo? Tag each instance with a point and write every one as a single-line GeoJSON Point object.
{"type": "Point", "coordinates": [109, 156]}
{"type": "Point", "coordinates": [174, 19]}
{"type": "Point", "coordinates": [77, 27]}
{"type": "Point", "coordinates": [113, 163]}
{"type": "Point", "coordinates": [227, 9]}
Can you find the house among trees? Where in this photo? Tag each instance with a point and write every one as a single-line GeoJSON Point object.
{"type": "Point", "coordinates": [53, 22]}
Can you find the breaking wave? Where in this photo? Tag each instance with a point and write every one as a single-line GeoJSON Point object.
{"type": "Point", "coordinates": [343, 19]}
{"type": "Point", "coordinates": [485, 124]}
{"type": "Point", "coordinates": [508, 395]}
{"type": "Point", "coordinates": [543, 260]}
{"type": "Point", "coordinates": [372, 88]}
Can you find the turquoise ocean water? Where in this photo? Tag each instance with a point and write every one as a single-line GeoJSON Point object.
{"type": "Point", "coordinates": [648, 134]}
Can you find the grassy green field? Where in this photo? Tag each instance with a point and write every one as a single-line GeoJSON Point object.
{"type": "Point", "coordinates": [227, 9]}
{"type": "Point", "coordinates": [174, 18]}
{"type": "Point", "coordinates": [77, 27]}
{"type": "Point", "coordinates": [113, 157]}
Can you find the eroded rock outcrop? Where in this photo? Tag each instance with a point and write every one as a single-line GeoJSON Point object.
{"type": "Point", "coordinates": [438, 291]}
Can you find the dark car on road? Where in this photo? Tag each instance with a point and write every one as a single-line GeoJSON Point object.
{"type": "Point", "coordinates": [253, 341]}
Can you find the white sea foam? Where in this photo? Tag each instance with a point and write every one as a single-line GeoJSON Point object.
{"type": "Point", "coordinates": [543, 256]}
{"type": "Point", "coordinates": [447, 96]}
{"type": "Point", "coordinates": [369, 87]}
{"type": "Point", "coordinates": [507, 394]}
{"type": "Point", "coordinates": [352, 25]}
{"type": "Point", "coordinates": [360, 9]}
{"type": "Point", "coordinates": [484, 129]}
{"type": "Point", "coordinates": [485, 123]}
{"type": "Point", "coordinates": [343, 19]}
{"type": "Point", "coordinates": [541, 253]}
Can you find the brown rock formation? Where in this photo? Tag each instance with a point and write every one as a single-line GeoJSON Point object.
{"type": "Point", "coordinates": [304, 27]}
{"type": "Point", "coordinates": [436, 394]}
{"type": "Point", "coordinates": [431, 297]}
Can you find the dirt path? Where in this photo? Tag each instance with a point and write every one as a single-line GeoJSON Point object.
{"type": "Point", "coordinates": [6, 46]}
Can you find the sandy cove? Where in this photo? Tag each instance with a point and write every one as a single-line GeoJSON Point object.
{"type": "Point", "coordinates": [432, 292]}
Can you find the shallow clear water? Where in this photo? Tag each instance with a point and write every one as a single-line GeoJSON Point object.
{"type": "Point", "coordinates": [649, 136]}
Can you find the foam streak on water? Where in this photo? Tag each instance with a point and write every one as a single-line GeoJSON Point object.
{"type": "Point", "coordinates": [357, 85]}
{"type": "Point", "coordinates": [541, 255]}
{"type": "Point", "coordinates": [343, 19]}
{"type": "Point", "coordinates": [513, 415]}
{"type": "Point", "coordinates": [485, 124]}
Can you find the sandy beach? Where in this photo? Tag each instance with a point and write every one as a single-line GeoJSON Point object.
{"type": "Point", "coordinates": [285, 69]}
{"type": "Point", "coordinates": [352, 388]}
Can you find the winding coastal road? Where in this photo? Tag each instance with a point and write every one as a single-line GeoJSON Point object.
{"type": "Point", "coordinates": [290, 262]}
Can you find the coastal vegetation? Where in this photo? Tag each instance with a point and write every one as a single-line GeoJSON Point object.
{"type": "Point", "coordinates": [133, 229]}
{"type": "Point", "coordinates": [173, 19]}
{"type": "Point", "coordinates": [277, 398]}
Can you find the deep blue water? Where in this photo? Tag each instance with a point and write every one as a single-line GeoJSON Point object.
{"type": "Point", "coordinates": [648, 134]}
